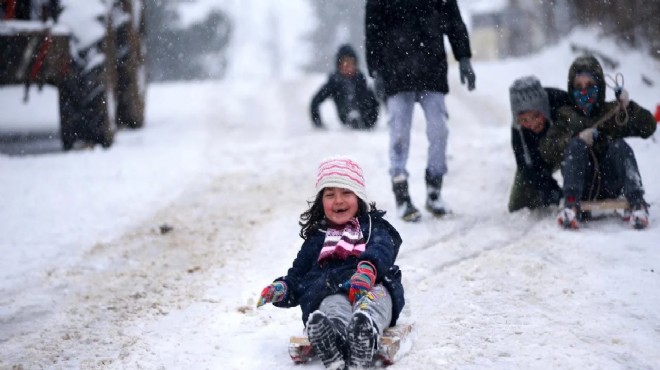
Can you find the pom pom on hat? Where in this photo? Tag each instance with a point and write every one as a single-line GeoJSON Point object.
{"type": "Point", "coordinates": [527, 94]}
{"type": "Point", "coordinates": [341, 172]}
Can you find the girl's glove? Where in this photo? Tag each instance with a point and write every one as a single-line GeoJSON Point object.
{"type": "Point", "coordinates": [275, 292]}
{"type": "Point", "coordinates": [362, 281]}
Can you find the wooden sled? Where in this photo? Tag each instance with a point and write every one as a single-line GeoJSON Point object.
{"type": "Point", "coordinates": [394, 343]}
{"type": "Point", "coordinates": [604, 205]}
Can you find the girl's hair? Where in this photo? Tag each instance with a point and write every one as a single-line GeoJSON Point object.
{"type": "Point", "coordinates": [313, 218]}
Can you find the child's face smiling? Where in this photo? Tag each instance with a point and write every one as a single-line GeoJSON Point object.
{"type": "Point", "coordinates": [339, 205]}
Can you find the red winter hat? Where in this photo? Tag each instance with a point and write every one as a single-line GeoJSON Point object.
{"type": "Point", "coordinates": [341, 172]}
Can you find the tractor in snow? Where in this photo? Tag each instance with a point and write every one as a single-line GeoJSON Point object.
{"type": "Point", "coordinates": [92, 51]}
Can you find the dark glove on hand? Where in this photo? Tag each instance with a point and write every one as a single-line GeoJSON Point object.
{"type": "Point", "coordinates": [379, 87]}
{"type": "Point", "coordinates": [316, 118]}
{"type": "Point", "coordinates": [275, 292]}
{"type": "Point", "coordinates": [362, 281]}
{"type": "Point", "coordinates": [467, 73]}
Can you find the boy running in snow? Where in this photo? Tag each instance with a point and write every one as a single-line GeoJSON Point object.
{"type": "Point", "coordinates": [534, 109]}
{"type": "Point", "coordinates": [356, 104]}
{"type": "Point", "coordinates": [344, 277]}
{"type": "Point", "coordinates": [587, 139]}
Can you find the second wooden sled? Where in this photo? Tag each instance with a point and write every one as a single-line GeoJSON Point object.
{"type": "Point", "coordinates": [604, 205]}
{"type": "Point", "coordinates": [394, 343]}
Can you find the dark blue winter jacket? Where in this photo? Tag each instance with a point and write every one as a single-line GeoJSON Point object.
{"type": "Point", "coordinates": [309, 282]}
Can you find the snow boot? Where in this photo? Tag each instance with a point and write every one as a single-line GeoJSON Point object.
{"type": "Point", "coordinates": [569, 216]}
{"type": "Point", "coordinates": [328, 340]}
{"type": "Point", "coordinates": [434, 203]}
{"type": "Point", "coordinates": [363, 341]}
{"type": "Point", "coordinates": [638, 215]}
{"type": "Point", "coordinates": [404, 207]}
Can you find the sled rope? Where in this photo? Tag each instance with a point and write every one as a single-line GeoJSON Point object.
{"type": "Point", "coordinates": [595, 181]}
{"type": "Point", "coordinates": [615, 83]}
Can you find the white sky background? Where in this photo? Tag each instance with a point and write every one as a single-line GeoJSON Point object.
{"type": "Point", "coordinates": [87, 281]}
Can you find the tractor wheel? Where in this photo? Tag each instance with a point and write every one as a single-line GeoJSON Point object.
{"type": "Point", "coordinates": [86, 104]}
{"type": "Point", "coordinates": [97, 106]}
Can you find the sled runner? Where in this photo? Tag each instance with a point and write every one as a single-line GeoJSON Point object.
{"type": "Point", "coordinates": [394, 343]}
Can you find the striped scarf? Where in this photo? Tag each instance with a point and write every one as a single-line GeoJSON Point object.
{"type": "Point", "coordinates": [341, 243]}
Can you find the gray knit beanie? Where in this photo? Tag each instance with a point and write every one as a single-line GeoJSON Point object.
{"type": "Point", "coordinates": [526, 93]}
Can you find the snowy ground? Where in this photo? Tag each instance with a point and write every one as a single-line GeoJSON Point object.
{"type": "Point", "coordinates": [87, 280]}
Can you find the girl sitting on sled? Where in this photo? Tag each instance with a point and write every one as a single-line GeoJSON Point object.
{"type": "Point", "coordinates": [344, 277]}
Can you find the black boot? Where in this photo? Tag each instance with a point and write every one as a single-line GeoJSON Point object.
{"type": "Point", "coordinates": [434, 203]}
{"type": "Point", "coordinates": [362, 341]}
{"type": "Point", "coordinates": [405, 209]}
{"type": "Point", "coordinates": [327, 340]}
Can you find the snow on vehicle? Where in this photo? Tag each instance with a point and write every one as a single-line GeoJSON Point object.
{"type": "Point", "coordinates": [92, 51]}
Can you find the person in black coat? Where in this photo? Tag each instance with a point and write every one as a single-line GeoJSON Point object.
{"type": "Point", "coordinates": [534, 109]}
{"type": "Point", "coordinates": [406, 57]}
{"type": "Point", "coordinates": [344, 277]}
{"type": "Point", "coordinates": [356, 104]}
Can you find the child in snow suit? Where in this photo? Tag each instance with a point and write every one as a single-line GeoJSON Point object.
{"type": "Point", "coordinates": [534, 109]}
{"type": "Point", "coordinates": [587, 139]}
{"type": "Point", "coordinates": [356, 104]}
{"type": "Point", "coordinates": [344, 277]}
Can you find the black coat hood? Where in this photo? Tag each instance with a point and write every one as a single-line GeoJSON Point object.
{"type": "Point", "coordinates": [588, 64]}
{"type": "Point", "coordinates": [345, 50]}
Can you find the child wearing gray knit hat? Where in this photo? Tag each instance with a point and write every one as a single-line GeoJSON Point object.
{"type": "Point", "coordinates": [532, 110]}
{"type": "Point", "coordinates": [527, 94]}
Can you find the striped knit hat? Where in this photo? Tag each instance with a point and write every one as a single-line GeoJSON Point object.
{"type": "Point", "coordinates": [341, 172]}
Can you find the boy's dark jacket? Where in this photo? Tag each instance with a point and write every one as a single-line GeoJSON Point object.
{"type": "Point", "coordinates": [309, 283]}
{"type": "Point", "coordinates": [405, 42]}
{"type": "Point", "coordinates": [571, 120]}
{"type": "Point", "coordinates": [347, 93]}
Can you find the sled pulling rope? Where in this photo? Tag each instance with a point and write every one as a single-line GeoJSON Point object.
{"type": "Point", "coordinates": [615, 83]}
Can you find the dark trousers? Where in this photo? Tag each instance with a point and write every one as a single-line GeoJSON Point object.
{"type": "Point", "coordinates": [588, 177]}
